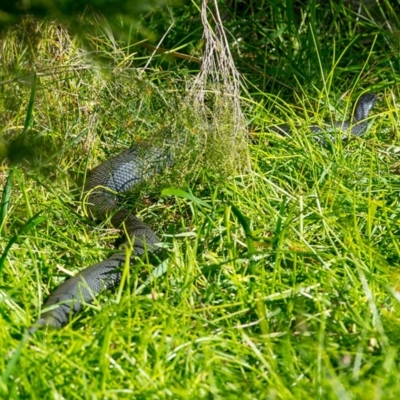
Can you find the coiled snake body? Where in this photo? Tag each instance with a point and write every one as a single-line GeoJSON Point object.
{"type": "Point", "coordinates": [118, 175]}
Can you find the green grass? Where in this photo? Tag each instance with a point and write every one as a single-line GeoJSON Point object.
{"type": "Point", "coordinates": [279, 282]}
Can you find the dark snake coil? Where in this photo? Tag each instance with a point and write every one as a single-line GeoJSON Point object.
{"type": "Point", "coordinates": [120, 174]}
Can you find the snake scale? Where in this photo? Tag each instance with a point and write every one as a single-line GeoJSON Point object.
{"type": "Point", "coordinates": [120, 174]}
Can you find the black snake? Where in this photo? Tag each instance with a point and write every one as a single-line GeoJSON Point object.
{"type": "Point", "coordinates": [118, 175]}
{"type": "Point", "coordinates": [106, 182]}
{"type": "Point", "coordinates": [356, 126]}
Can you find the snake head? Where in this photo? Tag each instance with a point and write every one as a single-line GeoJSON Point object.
{"type": "Point", "coordinates": [363, 106]}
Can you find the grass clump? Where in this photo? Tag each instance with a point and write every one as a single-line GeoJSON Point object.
{"type": "Point", "coordinates": [279, 281]}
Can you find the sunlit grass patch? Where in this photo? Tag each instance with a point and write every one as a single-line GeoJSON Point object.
{"type": "Point", "coordinates": [277, 281]}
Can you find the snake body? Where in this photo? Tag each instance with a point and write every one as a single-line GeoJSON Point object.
{"type": "Point", "coordinates": [106, 182]}
{"type": "Point", "coordinates": [356, 126]}
{"type": "Point", "coordinates": [119, 174]}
